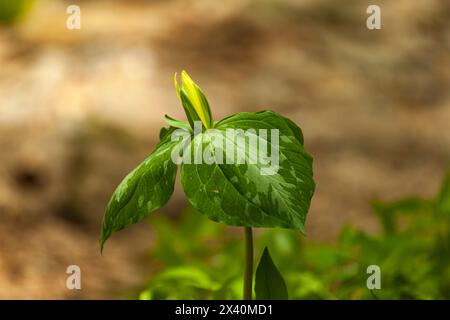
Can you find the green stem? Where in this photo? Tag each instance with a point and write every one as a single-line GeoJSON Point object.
{"type": "Point", "coordinates": [248, 263]}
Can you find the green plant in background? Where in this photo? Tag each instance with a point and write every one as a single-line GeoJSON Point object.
{"type": "Point", "coordinates": [10, 10]}
{"type": "Point", "coordinates": [413, 252]}
{"type": "Point", "coordinates": [232, 194]}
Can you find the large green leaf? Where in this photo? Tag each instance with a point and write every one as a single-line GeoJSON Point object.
{"type": "Point", "coordinates": [244, 194]}
{"type": "Point", "coordinates": [295, 129]}
{"type": "Point", "coordinates": [269, 284]}
{"type": "Point", "coordinates": [147, 188]}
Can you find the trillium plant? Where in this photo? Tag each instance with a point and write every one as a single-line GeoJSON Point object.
{"type": "Point", "coordinates": [249, 170]}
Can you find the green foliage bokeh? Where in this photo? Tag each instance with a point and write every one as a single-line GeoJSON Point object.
{"type": "Point", "coordinates": [11, 10]}
{"type": "Point", "coordinates": [200, 259]}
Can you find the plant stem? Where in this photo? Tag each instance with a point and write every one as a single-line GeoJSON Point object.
{"type": "Point", "coordinates": [248, 264]}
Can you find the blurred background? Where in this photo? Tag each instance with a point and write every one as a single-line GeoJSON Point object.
{"type": "Point", "coordinates": [80, 108]}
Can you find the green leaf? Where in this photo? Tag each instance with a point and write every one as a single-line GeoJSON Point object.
{"type": "Point", "coordinates": [269, 284]}
{"type": "Point", "coordinates": [177, 123]}
{"type": "Point", "coordinates": [244, 194]}
{"type": "Point", "coordinates": [163, 132]}
{"type": "Point", "coordinates": [295, 129]}
{"type": "Point", "coordinates": [144, 190]}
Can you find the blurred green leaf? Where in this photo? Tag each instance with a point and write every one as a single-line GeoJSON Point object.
{"type": "Point", "coordinates": [315, 270]}
{"type": "Point", "coordinates": [180, 283]}
{"type": "Point", "coordinates": [307, 286]}
{"type": "Point", "coordinates": [387, 212]}
{"type": "Point", "coordinates": [443, 200]}
{"type": "Point", "coordinates": [191, 276]}
{"type": "Point", "coordinates": [10, 10]}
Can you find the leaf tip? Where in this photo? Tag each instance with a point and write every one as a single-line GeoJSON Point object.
{"type": "Point", "coordinates": [269, 283]}
{"type": "Point", "coordinates": [102, 240]}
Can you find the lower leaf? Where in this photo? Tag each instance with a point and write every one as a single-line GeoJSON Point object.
{"type": "Point", "coordinates": [269, 284]}
{"type": "Point", "coordinates": [144, 190]}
